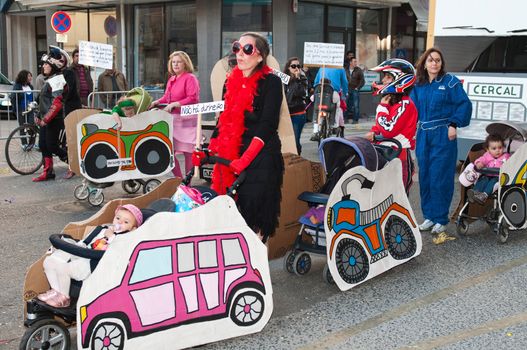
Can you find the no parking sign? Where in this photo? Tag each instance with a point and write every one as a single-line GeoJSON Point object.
{"type": "Point", "coordinates": [60, 22]}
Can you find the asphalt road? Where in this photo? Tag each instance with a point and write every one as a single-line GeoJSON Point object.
{"type": "Point", "coordinates": [465, 294]}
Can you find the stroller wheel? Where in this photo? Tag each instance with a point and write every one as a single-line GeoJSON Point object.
{"type": "Point", "coordinates": [302, 264]}
{"type": "Point", "coordinates": [150, 185]}
{"type": "Point", "coordinates": [96, 198]}
{"type": "Point", "coordinates": [462, 227]}
{"type": "Point", "coordinates": [81, 192]}
{"type": "Point", "coordinates": [326, 274]}
{"type": "Point", "coordinates": [131, 186]}
{"type": "Point", "coordinates": [503, 233]}
{"type": "Point", "coordinates": [46, 334]}
{"type": "Point", "coordinates": [289, 260]}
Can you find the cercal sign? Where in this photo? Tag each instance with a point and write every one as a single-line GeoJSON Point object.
{"type": "Point", "coordinates": [494, 90]}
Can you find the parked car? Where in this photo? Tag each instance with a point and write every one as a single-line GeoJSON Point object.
{"type": "Point", "coordinates": [5, 87]}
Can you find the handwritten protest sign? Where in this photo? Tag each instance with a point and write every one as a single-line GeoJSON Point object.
{"type": "Point", "coordinates": [95, 54]}
{"type": "Point", "coordinates": [323, 54]}
{"type": "Point", "coordinates": [285, 77]}
{"type": "Point", "coordinates": [209, 107]}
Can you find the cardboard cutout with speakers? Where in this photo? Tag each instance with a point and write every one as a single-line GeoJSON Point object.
{"type": "Point", "coordinates": [141, 149]}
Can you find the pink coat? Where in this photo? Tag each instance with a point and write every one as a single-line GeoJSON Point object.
{"type": "Point", "coordinates": [488, 161]}
{"type": "Point", "coordinates": [185, 90]}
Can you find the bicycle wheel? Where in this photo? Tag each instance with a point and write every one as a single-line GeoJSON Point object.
{"type": "Point", "coordinates": [21, 150]}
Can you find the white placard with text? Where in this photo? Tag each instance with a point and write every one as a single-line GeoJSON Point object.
{"type": "Point", "coordinates": [209, 107]}
{"type": "Point", "coordinates": [95, 54]}
{"type": "Point", "coordinates": [323, 54]}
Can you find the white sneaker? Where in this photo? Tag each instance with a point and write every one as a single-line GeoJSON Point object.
{"type": "Point", "coordinates": [438, 228]}
{"type": "Point", "coordinates": [426, 225]}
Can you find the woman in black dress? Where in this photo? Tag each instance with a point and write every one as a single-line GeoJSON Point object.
{"type": "Point", "coordinates": [247, 134]}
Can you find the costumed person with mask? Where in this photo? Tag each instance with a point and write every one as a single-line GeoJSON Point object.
{"type": "Point", "coordinates": [57, 99]}
{"type": "Point", "coordinates": [396, 115]}
{"type": "Point", "coordinates": [443, 106]}
{"type": "Point", "coordinates": [247, 135]}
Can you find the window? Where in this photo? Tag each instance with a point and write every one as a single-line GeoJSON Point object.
{"type": "Point", "coordinates": [367, 35]}
{"type": "Point", "coordinates": [240, 16]}
{"type": "Point", "coordinates": [152, 263]}
{"type": "Point", "coordinates": [507, 54]}
{"type": "Point", "coordinates": [232, 252]}
{"type": "Point", "coordinates": [160, 30]}
{"type": "Point", "coordinates": [309, 25]}
{"type": "Point", "coordinates": [185, 257]}
{"type": "Point", "coordinates": [207, 254]}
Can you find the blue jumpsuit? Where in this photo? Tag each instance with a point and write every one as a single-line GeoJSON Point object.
{"type": "Point", "coordinates": [439, 104]}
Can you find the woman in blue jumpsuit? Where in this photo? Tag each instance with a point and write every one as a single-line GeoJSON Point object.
{"type": "Point", "coordinates": [443, 106]}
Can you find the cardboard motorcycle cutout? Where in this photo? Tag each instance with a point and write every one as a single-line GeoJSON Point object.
{"type": "Point", "coordinates": [370, 226]}
{"type": "Point", "coordinates": [512, 192]}
{"type": "Point", "coordinates": [141, 149]}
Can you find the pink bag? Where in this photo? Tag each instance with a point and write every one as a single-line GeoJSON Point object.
{"type": "Point", "coordinates": [187, 198]}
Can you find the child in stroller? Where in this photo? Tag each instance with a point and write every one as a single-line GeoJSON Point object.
{"type": "Point", "coordinates": [506, 209]}
{"type": "Point", "coordinates": [494, 157]}
{"type": "Point", "coordinates": [60, 267]}
{"type": "Point", "coordinates": [337, 156]}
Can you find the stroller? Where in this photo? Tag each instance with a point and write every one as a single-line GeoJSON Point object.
{"type": "Point", "coordinates": [337, 155]}
{"type": "Point", "coordinates": [506, 208]}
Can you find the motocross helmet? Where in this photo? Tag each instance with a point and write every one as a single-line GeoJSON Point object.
{"type": "Point", "coordinates": [402, 72]}
{"type": "Point", "coordinates": [57, 58]}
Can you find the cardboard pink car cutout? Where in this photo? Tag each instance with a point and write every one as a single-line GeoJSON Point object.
{"type": "Point", "coordinates": [174, 288]}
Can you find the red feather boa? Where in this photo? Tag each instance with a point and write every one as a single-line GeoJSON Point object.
{"type": "Point", "coordinates": [231, 125]}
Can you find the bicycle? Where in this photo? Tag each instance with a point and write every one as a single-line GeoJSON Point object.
{"type": "Point", "coordinates": [21, 149]}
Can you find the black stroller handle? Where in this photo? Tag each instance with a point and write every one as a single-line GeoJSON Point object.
{"type": "Point", "coordinates": [387, 151]}
{"type": "Point", "coordinates": [209, 159]}
{"type": "Point", "coordinates": [488, 171]}
{"type": "Point", "coordinates": [57, 242]}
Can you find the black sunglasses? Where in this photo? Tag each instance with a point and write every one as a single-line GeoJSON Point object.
{"type": "Point", "coordinates": [247, 49]}
{"type": "Point", "coordinates": [294, 66]}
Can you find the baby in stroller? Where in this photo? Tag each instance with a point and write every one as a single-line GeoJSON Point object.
{"type": "Point", "coordinates": [494, 157]}
{"type": "Point", "coordinates": [60, 266]}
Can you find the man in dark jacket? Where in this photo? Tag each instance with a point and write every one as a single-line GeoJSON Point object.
{"type": "Point", "coordinates": [82, 78]}
{"type": "Point", "coordinates": [355, 83]}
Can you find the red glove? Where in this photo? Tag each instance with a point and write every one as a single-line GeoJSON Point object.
{"type": "Point", "coordinates": [213, 146]}
{"type": "Point", "coordinates": [197, 157]}
{"type": "Point", "coordinates": [53, 110]}
{"type": "Point", "coordinates": [239, 165]}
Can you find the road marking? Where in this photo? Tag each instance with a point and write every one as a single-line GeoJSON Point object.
{"type": "Point", "coordinates": [334, 339]}
{"type": "Point", "coordinates": [464, 334]}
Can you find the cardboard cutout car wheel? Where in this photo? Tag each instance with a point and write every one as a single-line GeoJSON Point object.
{"type": "Point", "coordinates": [108, 335]}
{"type": "Point", "coordinates": [514, 206]}
{"type": "Point", "coordinates": [399, 238]}
{"type": "Point", "coordinates": [352, 261]}
{"type": "Point", "coordinates": [96, 161]}
{"type": "Point", "coordinates": [46, 334]}
{"type": "Point", "coordinates": [152, 157]}
{"type": "Point", "coordinates": [247, 308]}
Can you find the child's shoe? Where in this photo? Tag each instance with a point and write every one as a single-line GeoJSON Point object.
{"type": "Point", "coordinates": [47, 295]}
{"type": "Point", "coordinates": [480, 197]}
{"type": "Point", "coordinates": [59, 300]}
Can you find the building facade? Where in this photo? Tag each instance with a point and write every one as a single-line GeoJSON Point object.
{"type": "Point", "coordinates": [145, 32]}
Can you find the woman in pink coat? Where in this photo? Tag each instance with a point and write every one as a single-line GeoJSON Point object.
{"type": "Point", "coordinates": [182, 89]}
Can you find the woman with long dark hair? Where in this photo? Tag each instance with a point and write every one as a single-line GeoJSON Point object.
{"type": "Point", "coordinates": [443, 106]}
{"type": "Point", "coordinates": [296, 94]}
{"type": "Point", "coordinates": [21, 99]}
{"type": "Point", "coordinates": [247, 135]}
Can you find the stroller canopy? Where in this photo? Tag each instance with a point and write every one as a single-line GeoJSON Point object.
{"type": "Point", "coordinates": [338, 155]}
